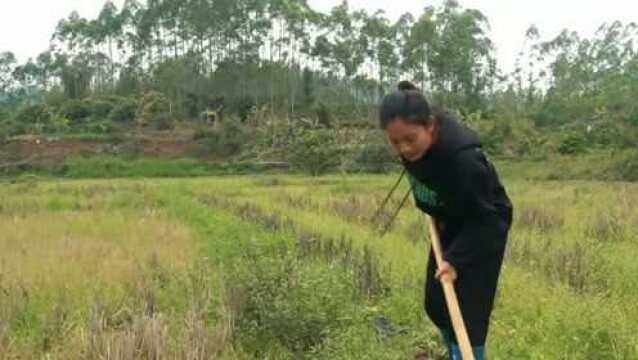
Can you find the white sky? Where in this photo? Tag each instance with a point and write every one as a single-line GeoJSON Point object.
{"type": "Point", "coordinates": [27, 25]}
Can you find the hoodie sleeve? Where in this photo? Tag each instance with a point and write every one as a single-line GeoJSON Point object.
{"type": "Point", "coordinates": [472, 201]}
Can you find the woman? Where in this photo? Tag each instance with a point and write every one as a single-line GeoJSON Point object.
{"type": "Point", "coordinates": [454, 182]}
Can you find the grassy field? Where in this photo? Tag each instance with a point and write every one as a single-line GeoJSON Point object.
{"type": "Point", "coordinates": [288, 267]}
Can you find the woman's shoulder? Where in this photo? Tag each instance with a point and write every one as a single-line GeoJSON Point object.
{"type": "Point", "coordinates": [453, 136]}
{"type": "Point", "coordinates": [470, 162]}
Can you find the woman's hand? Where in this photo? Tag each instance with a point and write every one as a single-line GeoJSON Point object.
{"type": "Point", "coordinates": [446, 272]}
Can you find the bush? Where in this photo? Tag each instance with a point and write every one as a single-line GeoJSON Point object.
{"type": "Point", "coordinates": [76, 110]}
{"type": "Point", "coordinates": [376, 158]}
{"type": "Point", "coordinates": [243, 107]}
{"type": "Point", "coordinates": [572, 144]}
{"type": "Point", "coordinates": [55, 98]}
{"type": "Point", "coordinates": [5, 130]}
{"type": "Point", "coordinates": [203, 132]}
{"type": "Point", "coordinates": [5, 114]}
{"type": "Point", "coordinates": [288, 302]}
{"type": "Point", "coordinates": [107, 166]}
{"type": "Point", "coordinates": [33, 118]}
{"type": "Point", "coordinates": [324, 117]}
{"type": "Point", "coordinates": [58, 124]}
{"type": "Point", "coordinates": [100, 109]}
{"type": "Point", "coordinates": [162, 121]}
{"type": "Point", "coordinates": [632, 119]}
{"type": "Point", "coordinates": [124, 112]}
{"type": "Point", "coordinates": [613, 133]}
{"type": "Point", "coordinates": [314, 151]}
{"type": "Point", "coordinates": [99, 127]}
{"type": "Point", "coordinates": [5, 124]}
{"type": "Point", "coordinates": [229, 140]}
{"type": "Point", "coordinates": [150, 105]}
{"type": "Point", "coordinates": [625, 168]}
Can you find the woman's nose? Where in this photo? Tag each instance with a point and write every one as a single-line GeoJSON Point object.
{"type": "Point", "coordinates": [404, 149]}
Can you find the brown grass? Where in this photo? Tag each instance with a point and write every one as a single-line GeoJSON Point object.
{"type": "Point", "coordinates": [80, 248]}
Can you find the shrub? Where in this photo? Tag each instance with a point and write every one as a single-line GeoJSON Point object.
{"type": "Point", "coordinates": [100, 109]}
{"type": "Point", "coordinates": [76, 110]}
{"type": "Point", "coordinates": [124, 112]}
{"type": "Point", "coordinates": [625, 168]}
{"type": "Point", "coordinates": [58, 124]}
{"type": "Point", "coordinates": [314, 151]}
{"type": "Point", "coordinates": [5, 130]}
{"type": "Point", "coordinates": [150, 105]}
{"type": "Point", "coordinates": [324, 116]}
{"type": "Point", "coordinates": [572, 144]}
{"type": "Point", "coordinates": [162, 121]}
{"type": "Point", "coordinates": [376, 158]}
{"type": "Point", "coordinates": [229, 140]}
{"type": "Point", "coordinates": [243, 107]}
{"type": "Point", "coordinates": [292, 303]}
{"type": "Point", "coordinates": [33, 118]}
{"type": "Point", "coordinates": [99, 127]}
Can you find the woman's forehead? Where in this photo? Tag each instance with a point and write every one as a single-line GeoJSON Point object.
{"type": "Point", "coordinates": [400, 127]}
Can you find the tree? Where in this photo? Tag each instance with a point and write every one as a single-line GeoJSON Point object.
{"type": "Point", "coordinates": [590, 78]}
{"type": "Point", "coordinates": [418, 42]}
{"type": "Point", "coordinates": [7, 63]}
{"type": "Point", "coordinates": [381, 39]}
{"type": "Point", "coordinates": [27, 75]}
{"type": "Point", "coordinates": [109, 27]}
{"type": "Point", "coordinates": [462, 64]}
{"type": "Point", "coordinates": [75, 74]}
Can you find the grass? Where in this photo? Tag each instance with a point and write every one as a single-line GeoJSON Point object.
{"type": "Point", "coordinates": [111, 167]}
{"type": "Point", "coordinates": [78, 248]}
{"type": "Point", "coordinates": [597, 165]}
{"type": "Point", "coordinates": [286, 266]}
{"type": "Point", "coordinates": [567, 249]}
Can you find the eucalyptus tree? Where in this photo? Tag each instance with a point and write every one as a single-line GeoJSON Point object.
{"type": "Point", "coordinates": [417, 40]}
{"type": "Point", "coordinates": [382, 38]}
{"type": "Point", "coordinates": [7, 64]}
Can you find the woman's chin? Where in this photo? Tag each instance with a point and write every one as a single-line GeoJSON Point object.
{"type": "Point", "coordinates": [412, 158]}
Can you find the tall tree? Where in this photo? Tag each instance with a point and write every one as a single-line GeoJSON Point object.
{"type": "Point", "coordinates": [7, 64]}
{"type": "Point", "coordinates": [381, 39]}
{"type": "Point", "coordinates": [462, 62]}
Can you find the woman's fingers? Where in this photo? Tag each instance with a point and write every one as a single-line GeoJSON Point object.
{"type": "Point", "coordinates": [446, 270]}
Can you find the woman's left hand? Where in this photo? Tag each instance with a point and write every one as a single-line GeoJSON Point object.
{"type": "Point", "coordinates": [446, 272]}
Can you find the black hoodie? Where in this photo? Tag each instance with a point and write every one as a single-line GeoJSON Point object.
{"type": "Point", "coordinates": [456, 184]}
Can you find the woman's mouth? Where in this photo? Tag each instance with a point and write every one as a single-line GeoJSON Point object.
{"type": "Point", "coordinates": [410, 157]}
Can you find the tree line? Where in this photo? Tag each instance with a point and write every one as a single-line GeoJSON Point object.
{"type": "Point", "coordinates": [286, 56]}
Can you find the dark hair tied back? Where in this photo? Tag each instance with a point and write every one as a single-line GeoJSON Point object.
{"type": "Point", "coordinates": [407, 103]}
{"type": "Point", "coordinates": [406, 86]}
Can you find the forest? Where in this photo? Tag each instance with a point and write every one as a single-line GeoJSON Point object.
{"type": "Point", "coordinates": [273, 67]}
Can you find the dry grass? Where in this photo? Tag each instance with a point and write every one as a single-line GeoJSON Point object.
{"type": "Point", "coordinates": [542, 219]}
{"type": "Point", "coordinates": [80, 248]}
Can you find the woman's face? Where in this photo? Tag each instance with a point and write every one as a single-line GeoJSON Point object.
{"type": "Point", "coordinates": [410, 140]}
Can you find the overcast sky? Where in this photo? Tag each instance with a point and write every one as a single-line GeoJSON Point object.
{"type": "Point", "coordinates": [27, 25]}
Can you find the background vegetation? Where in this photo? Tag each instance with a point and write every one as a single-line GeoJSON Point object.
{"type": "Point", "coordinates": [277, 70]}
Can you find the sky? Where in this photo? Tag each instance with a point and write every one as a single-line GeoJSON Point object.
{"type": "Point", "coordinates": [26, 26]}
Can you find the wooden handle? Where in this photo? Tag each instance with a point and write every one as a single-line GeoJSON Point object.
{"type": "Point", "coordinates": [450, 298]}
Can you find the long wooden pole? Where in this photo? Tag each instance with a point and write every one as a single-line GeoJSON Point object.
{"type": "Point", "coordinates": [450, 297]}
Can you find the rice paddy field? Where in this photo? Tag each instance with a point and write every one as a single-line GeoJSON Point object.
{"type": "Point", "coordinates": [292, 267]}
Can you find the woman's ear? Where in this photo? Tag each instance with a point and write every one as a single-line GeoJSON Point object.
{"type": "Point", "coordinates": [433, 128]}
{"type": "Point", "coordinates": [431, 125]}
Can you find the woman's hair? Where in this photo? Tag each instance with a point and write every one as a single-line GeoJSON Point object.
{"type": "Point", "coordinates": [407, 103]}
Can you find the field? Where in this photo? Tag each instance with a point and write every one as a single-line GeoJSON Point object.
{"type": "Point", "coordinates": [285, 266]}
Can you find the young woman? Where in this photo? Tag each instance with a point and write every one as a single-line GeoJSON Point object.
{"type": "Point", "coordinates": [456, 184]}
